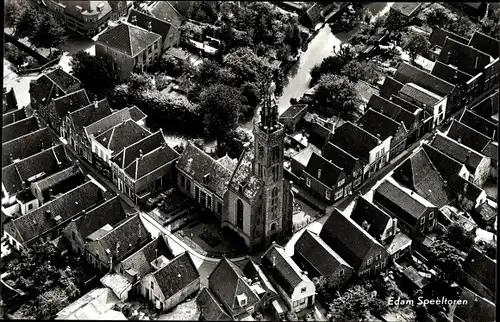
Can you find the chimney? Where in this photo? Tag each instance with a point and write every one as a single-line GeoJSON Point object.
{"type": "Point", "coordinates": [477, 58]}
{"type": "Point", "coordinates": [11, 158]}
{"type": "Point", "coordinates": [467, 156]}
{"type": "Point", "coordinates": [493, 136]}
{"type": "Point", "coordinates": [319, 173]}
{"type": "Point", "coordinates": [459, 140]}
{"type": "Point", "coordinates": [134, 20]}
{"type": "Point", "coordinates": [84, 214]}
{"type": "Point", "coordinates": [274, 260]}
{"type": "Point", "coordinates": [206, 178]}
{"type": "Point", "coordinates": [476, 301]}
{"type": "Point", "coordinates": [48, 213]}
{"type": "Point", "coordinates": [96, 104]}
{"type": "Point", "coordinates": [456, 75]}
{"type": "Point", "coordinates": [466, 185]}
{"type": "Point", "coordinates": [51, 195]}
{"type": "Point", "coordinates": [150, 26]}
{"type": "Point", "coordinates": [140, 153]}
{"type": "Point", "coordinates": [365, 225]}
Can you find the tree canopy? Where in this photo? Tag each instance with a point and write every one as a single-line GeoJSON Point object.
{"type": "Point", "coordinates": [48, 33]}
{"type": "Point", "coordinates": [95, 73]}
{"type": "Point", "coordinates": [448, 259]}
{"type": "Point", "coordinates": [458, 237]}
{"type": "Point", "coordinates": [332, 64]}
{"type": "Point", "coordinates": [355, 71]}
{"type": "Point", "coordinates": [355, 303]}
{"type": "Point", "coordinates": [417, 44]}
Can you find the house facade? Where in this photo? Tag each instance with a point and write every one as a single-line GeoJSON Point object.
{"type": "Point", "coordinates": [170, 34]}
{"type": "Point", "coordinates": [325, 179]}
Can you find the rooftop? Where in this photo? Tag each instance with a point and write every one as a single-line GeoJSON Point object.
{"type": "Point", "coordinates": [393, 110]}
{"type": "Point", "coordinates": [407, 73]}
{"type": "Point", "coordinates": [465, 57]}
{"type": "Point", "coordinates": [467, 136]}
{"type": "Point", "coordinates": [108, 122]}
{"type": "Point", "coordinates": [122, 136]}
{"type": "Point", "coordinates": [406, 8]}
{"type": "Point", "coordinates": [71, 102]}
{"type": "Point", "coordinates": [354, 140]}
{"type": "Point", "coordinates": [375, 218]}
{"type": "Point", "coordinates": [164, 10]}
{"type": "Point", "coordinates": [438, 37]}
{"type": "Point", "coordinates": [476, 308]}
{"type": "Point", "coordinates": [142, 20]}
{"type": "Point", "coordinates": [485, 44]}
{"type": "Point", "coordinates": [420, 94]}
{"type": "Point", "coordinates": [457, 151]}
{"type": "Point", "coordinates": [13, 116]}
{"type": "Point", "coordinates": [479, 123]}
{"type": "Point", "coordinates": [378, 124]}
{"type": "Point", "coordinates": [339, 157]}
{"type": "Point", "coordinates": [176, 275]}
{"type": "Point", "coordinates": [22, 127]}
{"type": "Point", "coordinates": [293, 111]}
{"type": "Point", "coordinates": [128, 39]}
{"type": "Point", "coordinates": [390, 87]}
{"type": "Point", "coordinates": [89, 114]}
{"type": "Point", "coordinates": [323, 170]}
{"type": "Point", "coordinates": [450, 73]}
{"type": "Point", "coordinates": [243, 179]}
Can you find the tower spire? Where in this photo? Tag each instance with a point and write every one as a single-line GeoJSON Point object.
{"type": "Point", "coordinates": [269, 111]}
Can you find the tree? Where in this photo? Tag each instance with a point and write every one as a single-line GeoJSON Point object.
{"type": "Point", "coordinates": [13, 11]}
{"type": "Point", "coordinates": [395, 24]}
{"type": "Point", "coordinates": [332, 64]}
{"type": "Point", "coordinates": [140, 82]}
{"type": "Point", "coordinates": [95, 73]}
{"type": "Point", "coordinates": [365, 71]}
{"type": "Point", "coordinates": [355, 303]}
{"type": "Point", "coordinates": [27, 23]}
{"type": "Point", "coordinates": [14, 55]}
{"type": "Point", "coordinates": [221, 105]}
{"type": "Point", "coordinates": [437, 16]}
{"type": "Point", "coordinates": [458, 237]}
{"type": "Point", "coordinates": [417, 44]}
{"type": "Point", "coordinates": [448, 259]}
{"type": "Point", "coordinates": [173, 66]}
{"type": "Point", "coordinates": [48, 34]}
{"type": "Point", "coordinates": [246, 65]}
{"type": "Point", "coordinates": [233, 144]}
{"type": "Point", "coordinates": [336, 95]}
{"type": "Point", "coordinates": [491, 25]}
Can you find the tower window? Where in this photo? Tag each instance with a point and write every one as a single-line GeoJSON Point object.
{"type": "Point", "coordinates": [276, 153]}
{"type": "Point", "coordinates": [275, 172]}
{"type": "Point", "coordinates": [261, 152]}
{"type": "Point", "coordinates": [239, 214]}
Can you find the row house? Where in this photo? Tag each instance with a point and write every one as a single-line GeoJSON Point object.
{"type": "Point", "coordinates": [480, 273]}
{"type": "Point", "coordinates": [319, 259]}
{"type": "Point", "coordinates": [129, 48]}
{"type": "Point", "coordinates": [22, 127]}
{"type": "Point", "coordinates": [437, 39]}
{"type": "Point", "coordinates": [73, 123]}
{"type": "Point", "coordinates": [49, 84]}
{"type": "Point", "coordinates": [416, 216]}
{"type": "Point", "coordinates": [86, 18]}
{"type": "Point", "coordinates": [355, 245]}
{"type": "Point", "coordinates": [352, 166]}
{"type": "Point", "coordinates": [477, 308]}
{"type": "Point", "coordinates": [203, 178]}
{"type": "Point", "coordinates": [144, 167]}
{"type": "Point", "coordinates": [488, 107]}
{"type": "Point", "coordinates": [383, 128]}
{"type": "Point", "coordinates": [468, 136]}
{"type": "Point", "coordinates": [60, 106]}
{"type": "Point", "coordinates": [293, 284]}
{"type": "Point", "coordinates": [14, 115]}
{"type": "Point", "coordinates": [50, 219]}
{"type": "Point", "coordinates": [371, 150]}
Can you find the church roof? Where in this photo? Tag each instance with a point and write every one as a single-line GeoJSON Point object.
{"type": "Point", "coordinates": [244, 180]}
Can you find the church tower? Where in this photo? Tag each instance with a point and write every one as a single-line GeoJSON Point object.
{"type": "Point", "coordinates": [268, 166]}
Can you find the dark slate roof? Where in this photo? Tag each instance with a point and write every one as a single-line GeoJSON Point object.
{"type": "Point", "coordinates": [457, 151]}
{"type": "Point", "coordinates": [491, 150]}
{"type": "Point", "coordinates": [467, 188]}
{"type": "Point", "coordinates": [409, 209]}
{"type": "Point", "coordinates": [13, 116]}
{"type": "Point", "coordinates": [347, 238]}
{"type": "Point", "coordinates": [164, 10]}
{"type": "Point", "coordinates": [122, 136]}
{"type": "Point", "coordinates": [60, 182]}
{"type": "Point", "coordinates": [418, 173]}
{"type": "Point", "coordinates": [481, 267]}
{"type": "Point", "coordinates": [450, 74]}
{"type": "Point", "coordinates": [151, 161]}
{"type": "Point", "coordinates": [254, 272]}
{"type": "Point", "coordinates": [318, 135]}
{"type": "Point", "coordinates": [110, 212]}
{"type": "Point", "coordinates": [212, 308]}
{"type": "Point", "coordinates": [293, 110]}
{"type": "Point", "coordinates": [468, 136]}
{"type": "Point", "coordinates": [378, 124]}
{"type": "Point", "coordinates": [244, 180]}
{"type": "Point", "coordinates": [330, 173]}
{"type": "Point", "coordinates": [339, 157]}
{"type": "Point", "coordinates": [63, 79]}
{"type": "Point", "coordinates": [71, 102]}
{"type": "Point", "coordinates": [39, 221]}
{"type": "Point", "coordinates": [176, 275]}
{"type": "Point", "coordinates": [132, 152]}
{"type": "Point", "coordinates": [318, 254]}
{"type": "Point", "coordinates": [463, 56]}
{"type": "Point", "coordinates": [107, 122]}
{"type": "Point", "coordinates": [43, 89]}
{"type": "Point", "coordinates": [392, 110]}
{"type": "Point", "coordinates": [158, 26]}
{"type": "Point", "coordinates": [406, 8]}
{"type": "Point", "coordinates": [485, 43]}
{"type": "Point", "coordinates": [488, 107]}
{"type": "Point", "coordinates": [19, 128]}
{"type": "Point", "coordinates": [227, 281]}
{"type": "Point", "coordinates": [476, 308]}
{"type": "Point", "coordinates": [140, 261]}
{"type": "Point", "coordinates": [420, 94]}
{"type": "Point", "coordinates": [43, 162]}
{"type": "Point", "coordinates": [128, 39]}
{"type": "Point", "coordinates": [354, 140]}
{"type": "Point", "coordinates": [197, 164]}
{"type": "Point", "coordinates": [9, 101]}
{"type": "Point", "coordinates": [438, 36]}
{"type": "Point", "coordinates": [448, 167]}
{"type": "Point", "coordinates": [136, 114]}
{"type": "Point", "coordinates": [479, 123]}
{"type": "Point", "coordinates": [90, 114]}
{"type": "Point", "coordinates": [27, 145]}
{"type": "Point", "coordinates": [410, 107]}
{"type": "Point", "coordinates": [373, 215]}
{"type": "Point", "coordinates": [390, 87]}
{"type": "Point", "coordinates": [407, 73]}
{"type": "Point", "coordinates": [284, 270]}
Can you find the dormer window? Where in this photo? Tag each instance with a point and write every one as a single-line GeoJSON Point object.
{"type": "Point", "coordinates": [369, 261]}
{"type": "Point", "coordinates": [242, 300]}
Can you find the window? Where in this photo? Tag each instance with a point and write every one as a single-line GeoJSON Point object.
{"type": "Point", "coordinates": [150, 50]}
{"type": "Point", "coordinates": [276, 153]}
{"type": "Point", "coordinates": [73, 235]}
{"type": "Point", "coordinates": [274, 200]}
{"type": "Point", "coordinates": [156, 45]}
{"type": "Point", "coordinates": [382, 151]}
{"type": "Point", "coordinates": [30, 206]}
{"type": "Point", "coordinates": [431, 215]}
{"type": "Point", "coordinates": [328, 194]}
{"type": "Point", "coordinates": [339, 194]}
{"type": "Point", "coordinates": [341, 182]}
{"type": "Point", "coordinates": [369, 261]}
{"type": "Point", "coordinates": [276, 172]}
{"type": "Point", "coordinates": [341, 272]}
{"type": "Point", "coordinates": [183, 181]}
{"type": "Point", "coordinates": [196, 193]}
{"type": "Point", "coordinates": [422, 220]}
{"type": "Point", "coordinates": [261, 152]}
{"type": "Point", "coordinates": [377, 155]}
{"type": "Point", "coordinates": [378, 256]}
{"type": "Point", "coordinates": [377, 266]}
{"type": "Point", "coordinates": [219, 208]}
{"type": "Point", "coordinates": [209, 202]}
{"type": "Point", "coordinates": [152, 285]}
{"type": "Point", "coordinates": [239, 214]}
{"type": "Point", "coordinates": [260, 173]}
{"type": "Point", "coordinates": [295, 303]}
{"type": "Point", "coordinates": [308, 182]}
{"type": "Point", "coordinates": [303, 290]}
{"type": "Point", "coordinates": [302, 301]}
{"type": "Point", "coordinates": [188, 185]}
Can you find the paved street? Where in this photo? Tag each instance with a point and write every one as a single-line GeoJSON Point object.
{"type": "Point", "coordinates": [21, 84]}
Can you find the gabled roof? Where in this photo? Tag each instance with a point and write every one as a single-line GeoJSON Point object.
{"type": "Point", "coordinates": [164, 10]}
{"type": "Point", "coordinates": [463, 56]}
{"type": "Point", "coordinates": [420, 95]}
{"type": "Point", "coordinates": [13, 116]}
{"type": "Point", "coordinates": [197, 164]}
{"type": "Point", "coordinates": [475, 308]}
{"type": "Point", "coordinates": [140, 261]}
{"type": "Point", "coordinates": [229, 163]}
{"type": "Point", "coordinates": [244, 180]}
{"type": "Point", "coordinates": [491, 150]}
{"type": "Point", "coordinates": [488, 106]}
{"type": "Point", "coordinates": [63, 79]}
{"type": "Point", "coordinates": [479, 123]}
{"type": "Point", "coordinates": [92, 305]}
{"type": "Point", "coordinates": [122, 136]}
{"type": "Point", "coordinates": [110, 212]}
{"type": "Point", "coordinates": [466, 188]}
{"type": "Point", "coordinates": [378, 124]}
{"type": "Point", "coordinates": [71, 102]}
{"type": "Point", "coordinates": [107, 122]}
{"type": "Point", "coordinates": [467, 136]}
{"type": "Point", "coordinates": [450, 74]}
{"type": "Point", "coordinates": [398, 202]}
{"type": "Point", "coordinates": [457, 151]}
{"type": "Point", "coordinates": [19, 128]}
{"type": "Point", "coordinates": [406, 8]}
{"type": "Point", "coordinates": [128, 39]}
{"type": "Point", "coordinates": [485, 43]}
{"type": "Point", "coordinates": [87, 7]}
{"type": "Point", "coordinates": [158, 26]}
{"type": "Point", "coordinates": [43, 89]}
{"type": "Point", "coordinates": [438, 37]}
{"type": "Point", "coordinates": [323, 170]}
{"type": "Point", "coordinates": [318, 254]}
{"type": "Point", "coordinates": [60, 182]}
{"type": "Point", "coordinates": [41, 220]}
{"type": "Point", "coordinates": [45, 162]}
{"type": "Point", "coordinates": [392, 110]}
{"type": "Point", "coordinates": [376, 218]}
{"type": "Point", "coordinates": [354, 140]}
{"type": "Point", "coordinates": [9, 101]}
{"type": "Point", "coordinates": [408, 106]}
{"type": "Point", "coordinates": [293, 110]}
{"type": "Point", "coordinates": [407, 73]}
{"type": "Point", "coordinates": [448, 167]}
{"type": "Point", "coordinates": [284, 270]}
{"type": "Point", "coordinates": [254, 272]}
{"type": "Point", "coordinates": [90, 114]}
{"type": "Point", "coordinates": [27, 145]}
{"type": "Point", "coordinates": [481, 267]}
{"type": "Point", "coordinates": [390, 87]}
{"type": "Point", "coordinates": [347, 238]}
{"type": "Point", "coordinates": [136, 114]}
{"type": "Point", "coordinates": [418, 173]}
{"type": "Point", "coordinates": [151, 161]}
{"type": "Point", "coordinates": [339, 157]}
{"type": "Point", "coordinates": [132, 152]}
{"type": "Point", "coordinates": [227, 281]}
{"type": "Point", "coordinates": [212, 308]}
